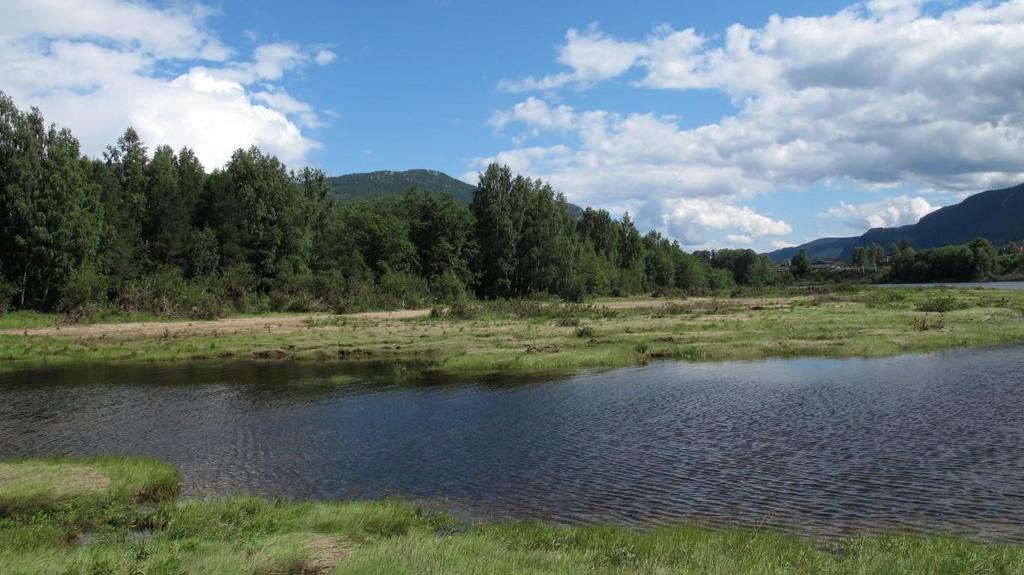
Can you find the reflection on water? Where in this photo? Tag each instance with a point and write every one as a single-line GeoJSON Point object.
{"type": "Point", "coordinates": [820, 446]}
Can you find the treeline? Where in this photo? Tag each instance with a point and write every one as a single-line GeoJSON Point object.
{"type": "Point", "coordinates": [155, 233]}
{"type": "Point", "coordinates": [974, 261]}
{"type": "Point", "coordinates": [977, 260]}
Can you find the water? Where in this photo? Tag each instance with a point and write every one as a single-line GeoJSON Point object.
{"type": "Point", "coordinates": [822, 447]}
{"type": "Point", "coordinates": [1016, 286]}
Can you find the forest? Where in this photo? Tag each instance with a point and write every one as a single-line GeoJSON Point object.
{"type": "Point", "coordinates": [140, 231]}
{"type": "Point", "coordinates": [154, 232]}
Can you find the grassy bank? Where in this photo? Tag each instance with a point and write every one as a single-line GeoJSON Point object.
{"type": "Point", "coordinates": [121, 518]}
{"type": "Point", "coordinates": [529, 336]}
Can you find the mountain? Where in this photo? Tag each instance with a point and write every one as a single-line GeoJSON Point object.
{"type": "Point", "coordinates": [388, 183]}
{"type": "Point", "coordinates": [997, 215]}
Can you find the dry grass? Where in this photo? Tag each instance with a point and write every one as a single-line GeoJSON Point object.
{"type": "Point", "coordinates": [531, 337]}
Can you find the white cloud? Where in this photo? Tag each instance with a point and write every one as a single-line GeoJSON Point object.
{"type": "Point", "coordinates": [279, 99]}
{"type": "Point", "coordinates": [324, 57]}
{"type": "Point", "coordinates": [593, 57]}
{"type": "Point", "coordinates": [690, 217]}
{"type": "Point", "coordinates": [890, 212]}
{"type": "Point", "coordinates": [99, 66]}
{"type": "Point", "coordinates": [877, 95]}
{"type": "Point", "coordinates": [164, 33]}
{"type": "Point", "coordinates": [535, 113]}
{"type": "Point", "coordinates": [739, 239]}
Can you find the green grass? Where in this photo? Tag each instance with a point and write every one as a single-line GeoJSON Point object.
{"type": "Point", "coordinates": [60, 484]}
{"type": "Point", "coordinates": [534, 336]}
{"type": "Point", "coordinates": [119, 534]}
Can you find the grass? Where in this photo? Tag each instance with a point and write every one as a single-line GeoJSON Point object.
{"type": "Point", "coordinates": [533, 336]}
{"type": "Point", "coordinates": [61, 484]}
{"type": "Point", "coordinates": [118, 534]}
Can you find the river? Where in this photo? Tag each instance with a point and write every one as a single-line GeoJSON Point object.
{"type": "Point", "coordinates": [823, 447]}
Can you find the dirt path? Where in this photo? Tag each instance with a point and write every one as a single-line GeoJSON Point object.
{"type": "Point", "coordinates": [287, 323]}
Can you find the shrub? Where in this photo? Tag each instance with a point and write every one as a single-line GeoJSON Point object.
{"type": "Point", "coordinates": [942, 304]}
{"type": "Point", "coordinates": [402, 290]}
{"type": "Point", "coordinates": [85, 288]}
{"type": "Point", "coordinates": [924, 324]}
{"type": "Point", "coordinates": [203, 299]}
{"type": "Point", "coordinates": [585, 331]}
{"type": "Point", "coordinates": [461, 309]}
{"type": "Point", "coordinates": [447, 288]}
{"type": "Point", "coordinates": [884, 298]}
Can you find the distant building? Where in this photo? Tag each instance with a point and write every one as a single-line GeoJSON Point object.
{"type": "Point", "coordinates": [836, 264]}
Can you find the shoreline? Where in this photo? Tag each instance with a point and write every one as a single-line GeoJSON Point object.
{"type": "Point", "coordinates": [535, 337]}
{"type": "Point", "coordinates": [122, 515]}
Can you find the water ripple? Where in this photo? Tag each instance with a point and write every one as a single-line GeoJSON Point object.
{"type": "Point", "coordinates": [821, 447]}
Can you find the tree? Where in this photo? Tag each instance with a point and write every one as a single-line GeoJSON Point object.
{"type": "Point", "coordinates": [800, 265]}
{"type": "Point", "coordinates": [859, 257]}
{"type": "Point", "coordinates": [51, 218]}
{"type": "Point", "coordinates": [876, 254]}
{"type": "Point", "coordinates": [760, 273]}
{"type": "Point", "coordinates": [496, 231]}
{"type": "Point", "coordinates": [984, 257]}
{"type": "Point", "coordinates": [441, 231]}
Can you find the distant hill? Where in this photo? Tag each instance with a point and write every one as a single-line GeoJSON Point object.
{"type": "Point", "coordinates": [997, 215]}
{"type": "Point", "coordinates": [388, 183]}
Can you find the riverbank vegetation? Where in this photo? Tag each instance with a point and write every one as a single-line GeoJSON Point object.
{"type": "Point", "coordinates": [525, 335]}
{"type": "Point", "coordinates": [120, 516]}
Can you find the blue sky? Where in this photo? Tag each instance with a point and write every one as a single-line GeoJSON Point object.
{"type": "Point", "coordinates": [747, 124]}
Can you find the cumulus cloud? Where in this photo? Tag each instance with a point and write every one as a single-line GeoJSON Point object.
{"type": "Point", "coordinates": [592, 56]}
{"type": "Point", "coordinates": [537, 114]}
{"type": "Point", "coordinates": [879, 94]}
{"type": "Point", "coordinates": [890, 212]}
{"type": "Point", "coordinates": [99, 66]}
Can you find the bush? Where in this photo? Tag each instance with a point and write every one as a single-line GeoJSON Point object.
{"type": "Point", "coordinates": [942, 304]}
{"type": "Point", "coordinates": [8, 291]}
{"type": "Point", "coordinates": [585, 331]}
{"type": "Point", "coordinates": [240, 282]}
{"type": "Point", "coordinates": [462, 309]}
{"type": "Point", "coordinates": [293, 292]}
{"type": "Point", "coordinates": [85, 288]}
{"type": "Point", "coordinates": [447, 288]}
{"type": "Point", "coordinates": [203, 299]}
{"type": "Point", "coordinates": [402, 290]}
{"type": "Point", "coordinates": [884, 298]}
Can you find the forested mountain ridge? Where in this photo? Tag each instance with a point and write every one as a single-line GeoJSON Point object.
{"type": "Point", "coordinates": [392, 183]}
{"type": "Point", "coordinates": [388, 183]}
{"type": "Point", "coordinates": [996, 215]}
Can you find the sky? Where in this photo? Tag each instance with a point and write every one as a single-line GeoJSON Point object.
{"type": "Point", "coordinates": [728, 124]}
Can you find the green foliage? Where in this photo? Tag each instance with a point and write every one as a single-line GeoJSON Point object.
{"type": "Point", "coordinates": [976, 260]}
{"type": "Point", "coordinates": [153, 233]}
{"type": "Point", "coordinates": [85, 287]}
{"type": "Point", "coordinates": [585, 331]}
{"type": "Point", "coordinates": [800, 265]}
{"type": "Point", "coordinates": [942, 304]}
{"type": "Point", "coordinates": [8, 293]}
